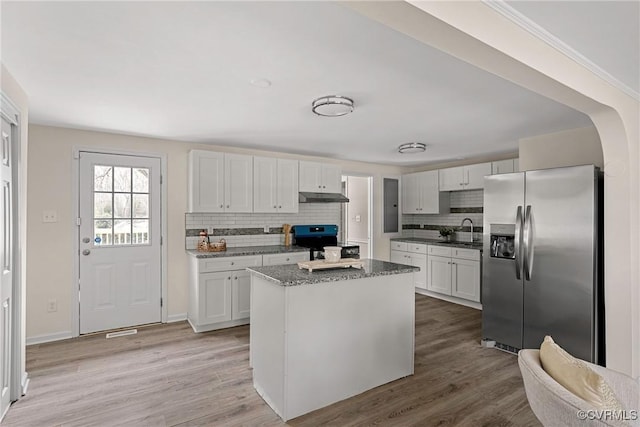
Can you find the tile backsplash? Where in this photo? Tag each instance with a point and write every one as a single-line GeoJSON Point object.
{"type": "Point", "coordinates": [248, 229]}
{"type": "Point", "coordinates": [464, 204]}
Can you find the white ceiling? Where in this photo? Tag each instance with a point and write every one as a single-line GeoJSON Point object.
{"type": "Point", "coordinates": [182, 71]}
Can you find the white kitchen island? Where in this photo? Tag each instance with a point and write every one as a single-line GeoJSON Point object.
{"type": "Point", "coordinates": [321, 337]}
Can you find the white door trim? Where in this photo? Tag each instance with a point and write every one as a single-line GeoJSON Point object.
{"type": "Point", "coordinates": [75, 185]}
{"type": "Point", "coordinates": [19, 379]}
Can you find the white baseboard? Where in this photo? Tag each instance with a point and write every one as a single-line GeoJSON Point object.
{"type": "Point", "coordinates": [39, 339]}
{"type": "Point", "coordinates": [176, 317]}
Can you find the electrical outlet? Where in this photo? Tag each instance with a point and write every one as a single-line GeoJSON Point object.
{"type": "Point", "coordinates": [266, 228]}
{"type": "Point", "coordinates": [49, 216]}
{"type": "Point", "coordinates": [210, 230]}
{"type": "Point", "coordinates": [52, 306]}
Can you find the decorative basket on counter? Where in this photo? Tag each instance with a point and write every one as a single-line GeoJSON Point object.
{"type": "Point", "coordinates": [219, 246]}
{"type": "Point", "coordinates": [204, 245]}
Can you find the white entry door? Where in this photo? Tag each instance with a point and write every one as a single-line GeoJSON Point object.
{"type": "Point", "coordinates": [120, 231]}
{"type": "Point", "coordinates": [6, 264]}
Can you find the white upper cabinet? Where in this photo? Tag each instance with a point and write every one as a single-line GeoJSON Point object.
{"type": "Point", "coordinates": [470, 177]}
{"type": "Point", "coordinates": [238, 183]}
{"type": "Point", "coordinates": [504, 166]}
{"type": "Point", "coordinates": [220, 182]}
{"type": "Point", "coordinates": [320, 177]}
{"type": "Point", "coordinates": [275, 185]}
{"type": "Point", "coordinates": [476, 174]}
{"type": "Point", "coordinates": [206, 181]}
{"type": "Point", "coordinates": [287, 186]}
{"type": "Point", "coordinates": [421, 195]}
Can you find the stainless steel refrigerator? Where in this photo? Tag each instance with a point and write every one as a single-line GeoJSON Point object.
{"type": "Point", "coordinates": [542, 260]}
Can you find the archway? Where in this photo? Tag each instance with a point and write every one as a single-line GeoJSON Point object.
{"type": "Point", "coordinates": [477, 34]}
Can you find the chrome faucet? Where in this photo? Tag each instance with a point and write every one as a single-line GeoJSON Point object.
{"type": "Point", "coordinates": [470, 222]}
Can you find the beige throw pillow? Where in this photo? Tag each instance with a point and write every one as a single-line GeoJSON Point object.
{"type": "Point", "coordinates": [574, 375]}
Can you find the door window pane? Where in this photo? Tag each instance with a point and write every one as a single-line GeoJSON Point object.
{"type": "Point", "coordinates": [102, 232]}
{"type": "Point", "coordinates": [102, 178]}
{"type": "Point", "coordinates": [122, 232]}
{"type": "Point", "coordinates": [122, 179]}
{"type": "Point", "coordinates": [122, 205]}
{"type": "Point", "coordinates": [140, 180]}
{"type": "Point", "coordinates": [141, 206]}
{"type": "Point", "coordinates": [140, 231]}
{"type": "Point", "coordinates": [102, 205]}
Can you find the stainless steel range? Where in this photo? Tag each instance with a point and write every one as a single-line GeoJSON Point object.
{"type": "Point", "coordinates": [316, 237]}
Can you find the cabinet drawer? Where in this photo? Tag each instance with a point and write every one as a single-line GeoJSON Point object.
{"type": "Point", "coordinates": [207, 265]}
{"type": "Point", "coordinates": [417, 248]}
{"type": "Point", "coordinates": [439, 251]}
{"type": "Point", "coordinates": [399, 246]}
{"type": "Point", "coordinates": [288, 258]}
{"type": "Point", "coordinates": [471, 254]}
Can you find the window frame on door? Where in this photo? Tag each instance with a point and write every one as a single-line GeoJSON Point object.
{"type": "Point", "coordinates": [75, 302]}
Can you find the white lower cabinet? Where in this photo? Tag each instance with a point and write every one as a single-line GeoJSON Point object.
{"type": "Point", "coordinates": [220, 288]}
{"type": "Point", "coordinates": [439, 278]}
{"type": "Point", "coordinates": [414, 254]}
{"type": "Point", "coordinates": [454, 272]}
{"type": "Point", "coordinates": [220, 291]}
{"type": "Point", "coordinates": [214, 298]}
{"type": "Point", "coordinates": [240, 295]}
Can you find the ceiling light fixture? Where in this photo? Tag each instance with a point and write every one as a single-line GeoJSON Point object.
{"type": "Point", "coordinates": [332, 106]}
{"type": "Point", "coordinates": [412, 147]}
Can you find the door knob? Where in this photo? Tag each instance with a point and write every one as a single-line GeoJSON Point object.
{"type": "Point", "coordinates": [86, 252]}
{"type": "Point", "coordinates": [86, 240]}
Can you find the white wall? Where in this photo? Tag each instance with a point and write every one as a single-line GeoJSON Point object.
{"type": "Point", "coordinates": [479, 35]}
{"type": "Point", "coordinates": [358, 208]}
{"type": "Point", "coordinates": [50, 251]}
{"type": "Point", "coordinates": [567, 148]}
{"type": "Point", "coordinates": [14, 92]}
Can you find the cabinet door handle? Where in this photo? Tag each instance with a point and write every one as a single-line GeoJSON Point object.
{"type": "Point", "coordinates": [324, 186]}
{"type": "Point", "coordinates": [232, 263]}
{"type": "Point", "coordinates": [222, 206]}
{"type": "Point", "coordinates": [229, 278]}
{"type": "Point", "coordinates": [235, 278]}
{"type": "Point", "coordinates": [287, 259]}
{"type": "Point", "coordinates": [279, 207]}
{"type": "Point", "coordinates": [227, 206]}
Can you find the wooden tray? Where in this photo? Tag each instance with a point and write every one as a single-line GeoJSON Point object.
{"type": "Point", "coordinates": [322, 264]}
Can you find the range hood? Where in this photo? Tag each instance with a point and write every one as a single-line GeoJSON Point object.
{"type": "Point", "coordinates": [309, 197]}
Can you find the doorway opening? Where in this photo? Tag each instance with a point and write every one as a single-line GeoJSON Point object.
{"type": "Point", "coordinates": [356, 220]}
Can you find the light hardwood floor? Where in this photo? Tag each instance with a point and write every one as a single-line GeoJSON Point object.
{"type": "Point", "coordinates": [167, 376]}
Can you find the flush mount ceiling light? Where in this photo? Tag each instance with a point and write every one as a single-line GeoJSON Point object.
{"type": "Point", "coordinates": [332, 106]}
{"type": "Point", "coordinates": [412, 147]}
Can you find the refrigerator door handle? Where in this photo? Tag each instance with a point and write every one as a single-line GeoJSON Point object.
{"type": "Point", "coordinates": [517, 240]}
{"type": "Point", "coordinates": [528, 243]}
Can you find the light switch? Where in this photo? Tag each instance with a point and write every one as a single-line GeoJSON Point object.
{"type": "Point", "coordinates": [49, 216]}
{"type": "Point", "coordinates": [357, 218]}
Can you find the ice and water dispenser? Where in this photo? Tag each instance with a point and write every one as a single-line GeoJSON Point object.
{"type": "Point", "coordinates": [502, 241]}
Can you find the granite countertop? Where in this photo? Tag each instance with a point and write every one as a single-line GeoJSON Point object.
{"type": "Point", "coordinates": [455, 244]}
{"type": "Point", "coordinates": [248, 250]}
{"type": "Point", "coordinates": [292, 275]}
